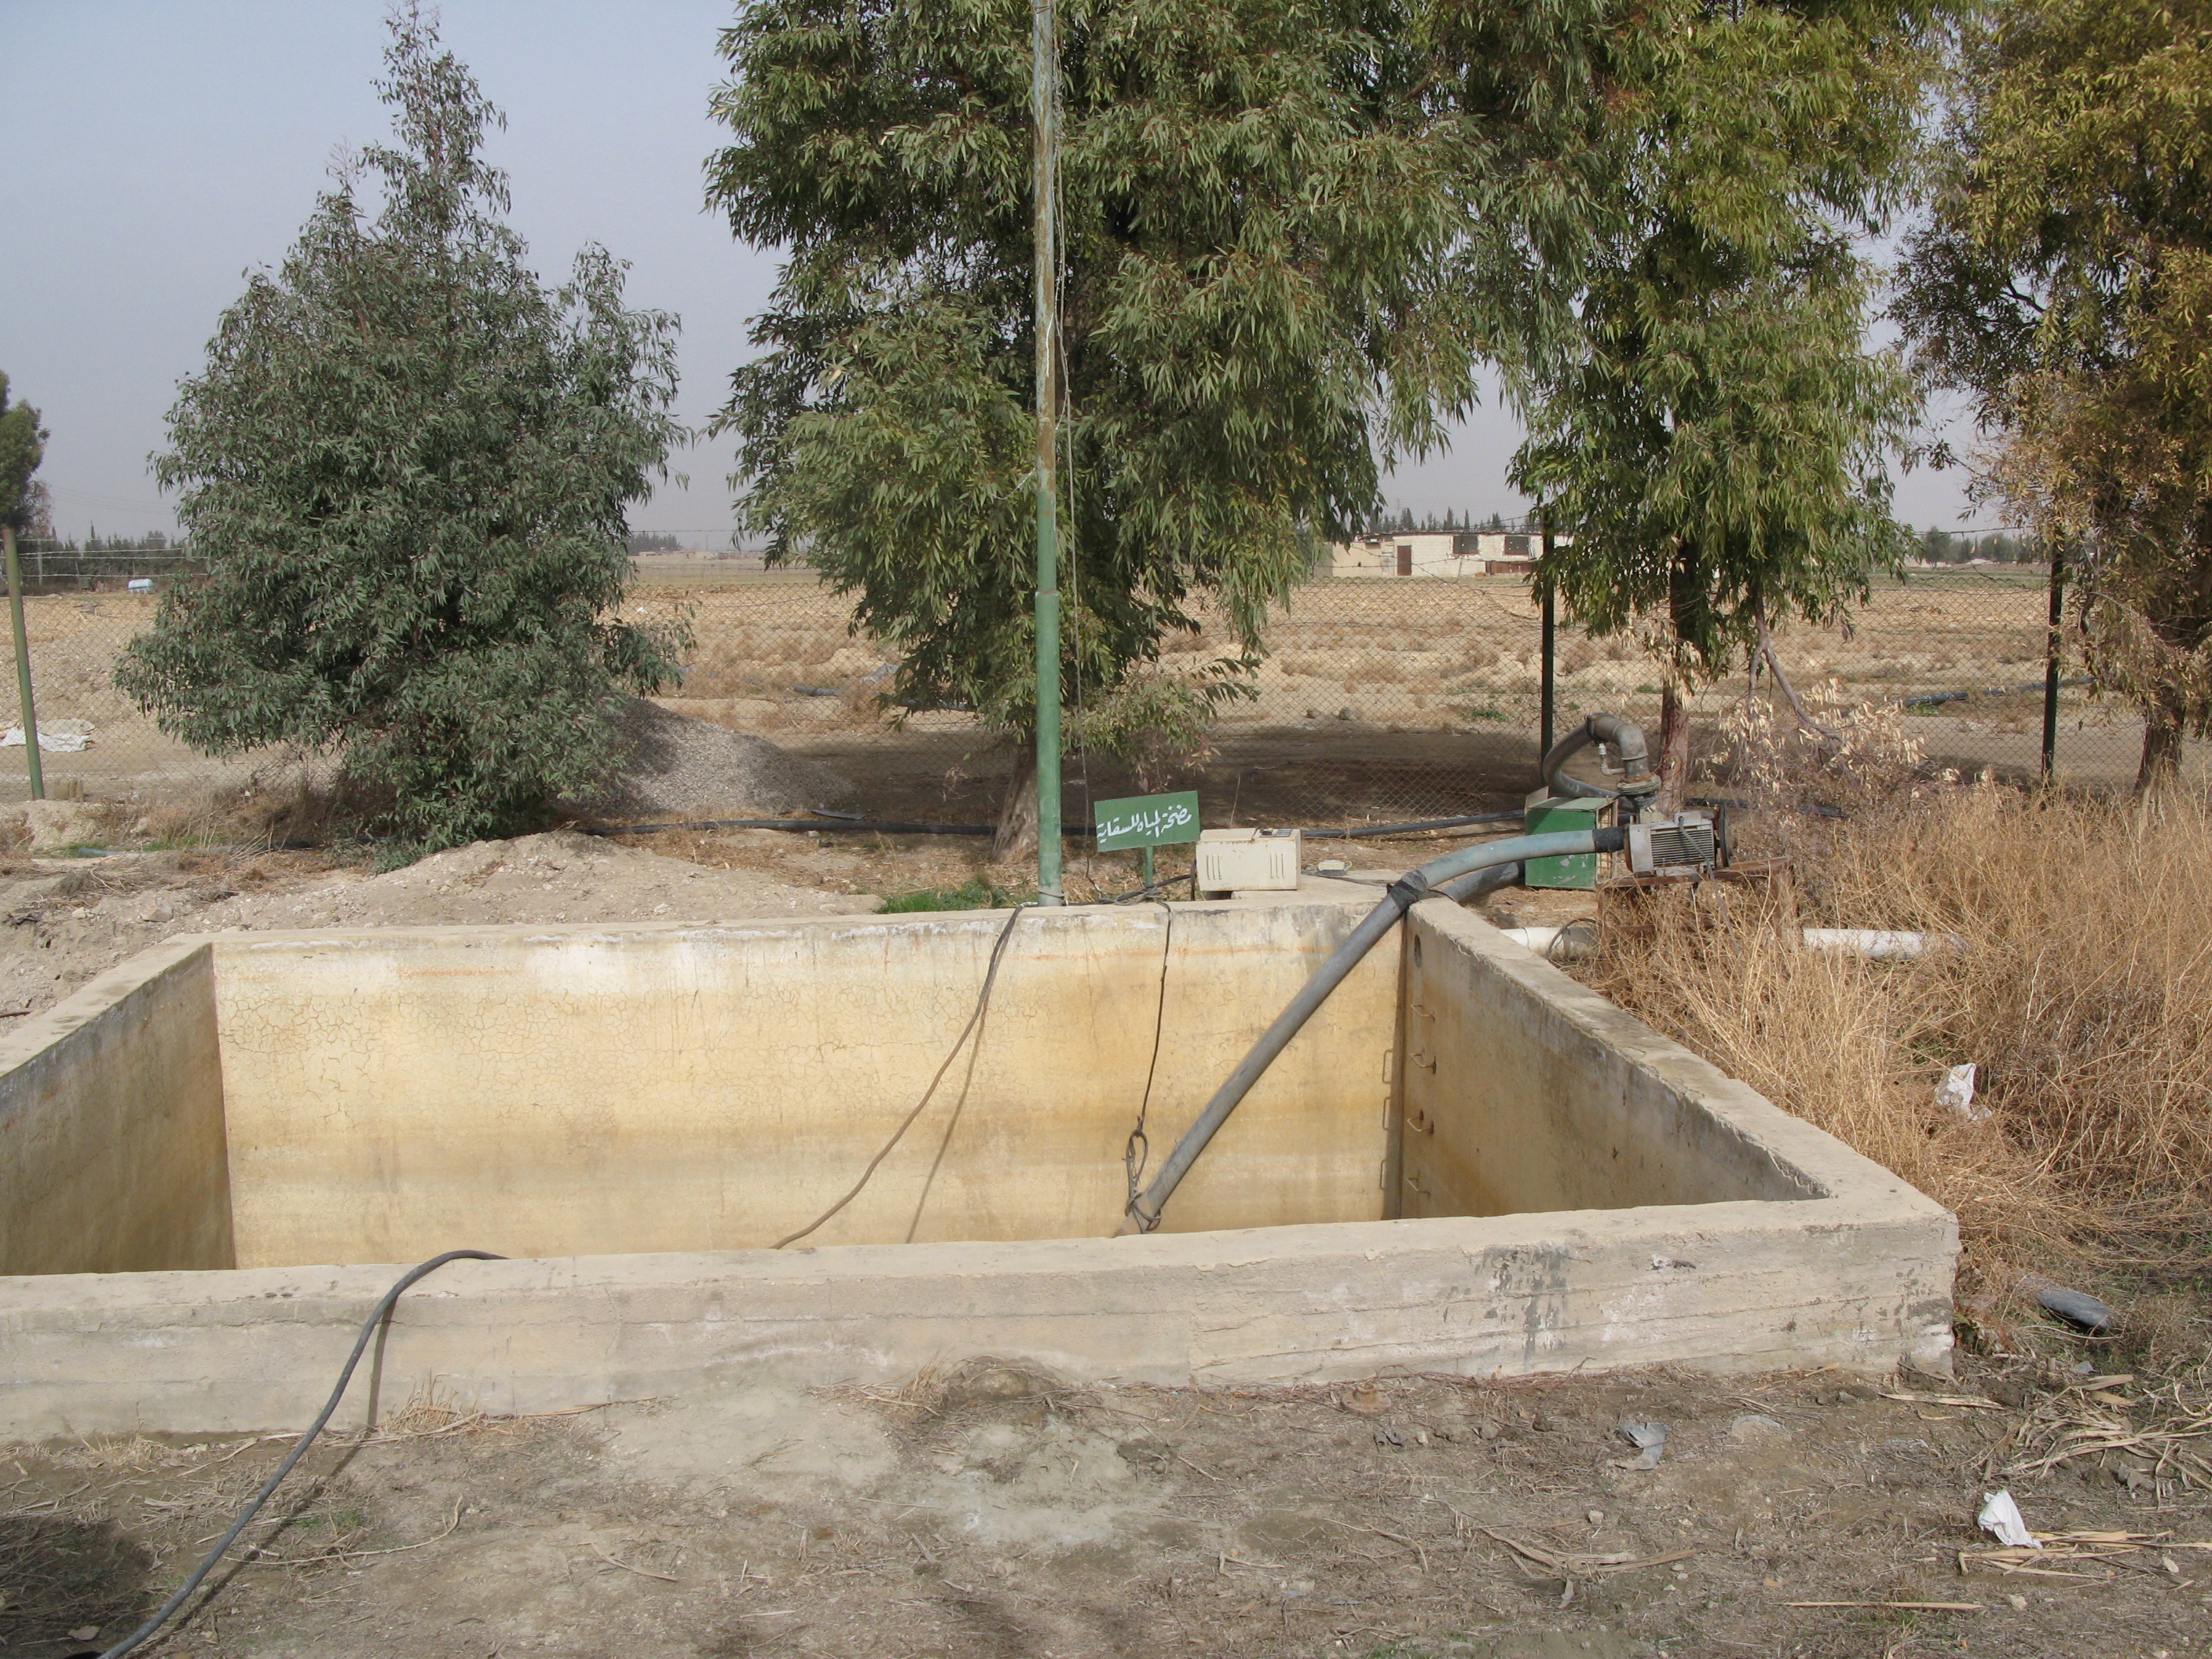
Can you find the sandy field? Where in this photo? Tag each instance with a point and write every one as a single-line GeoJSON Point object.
{"type": "Point", "coordinates": [1382, 699]}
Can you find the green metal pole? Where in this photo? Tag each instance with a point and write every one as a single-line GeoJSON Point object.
{"type": "Point", "coordinates": [23, 664]}
{"type": "Point", "coordinates": [1548, 693]}
{"type": "Point", "coordinates": [2053, 646]}
{"type": "Point", "coordinates": [1044, 105]}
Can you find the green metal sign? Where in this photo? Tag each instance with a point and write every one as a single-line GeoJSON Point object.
{"type": "Point", "coordinates": [1146, 821]}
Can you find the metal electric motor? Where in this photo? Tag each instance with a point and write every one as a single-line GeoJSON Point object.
{"type": "Point", "coordinates": [1686, 844]}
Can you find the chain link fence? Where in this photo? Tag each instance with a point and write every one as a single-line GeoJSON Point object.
{"type": "Point", "coordinates": [1390, 698]}
{"type": "Point", "coordinates": [1384, 698]}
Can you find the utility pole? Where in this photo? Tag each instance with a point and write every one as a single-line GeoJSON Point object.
{"type": "Point", "coordinates": [1044, 108]}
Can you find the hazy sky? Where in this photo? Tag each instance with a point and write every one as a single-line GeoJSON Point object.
{"type": "Point", "coordinates": [163, 149]}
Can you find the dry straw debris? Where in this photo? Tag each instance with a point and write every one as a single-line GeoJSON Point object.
{"type": "Point", "coordinates": [2081, 993]}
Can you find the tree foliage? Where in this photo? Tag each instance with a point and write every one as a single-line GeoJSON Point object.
{"type": "Point", "coordinates": [1271, 212]}
{"type": "Point", "coordinates": [405, 470]}
{"type": "Point", "coordinates": [2066, 282]}
{"type": "Point", "coordinates": [1714, 434]}
{"type": "Point", "coordinates": [22, 447]}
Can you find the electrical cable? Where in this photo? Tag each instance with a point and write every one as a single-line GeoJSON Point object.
{"type": "Point", "coordinates": [982, 1001]}
{"type": "Point", "coordinates": [1137, 1150]}
{"type": "Point", "coordinates": [383, 1309]}
{"type": "Point", "coordinates": [1152, 891]}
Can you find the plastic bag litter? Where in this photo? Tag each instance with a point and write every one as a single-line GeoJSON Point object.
{"type": "Point", "coordinates": [54, 743]}
{"type": "Point", "coordinates": [2096, 1317]}
{"type": "Point", "coordinates": [1651, 1441]}
{"type": "Point", "coordinates": [2002, 1519]}
{"type": "Point", "coordinates": [1956, 1091]}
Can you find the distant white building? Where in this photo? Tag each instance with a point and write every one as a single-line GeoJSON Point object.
{"type": "Point", "coordinates": [1436, 553]}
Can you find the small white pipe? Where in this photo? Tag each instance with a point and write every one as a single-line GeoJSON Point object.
{"type": "Point", "coordinates": [1874, 944]}
{"type": "Point", "coordinates": [1547, 942]}
{"type": "Point", "coordinates": [1533, 938]}
{"type": "Point", "coordinates": [1878, 944]}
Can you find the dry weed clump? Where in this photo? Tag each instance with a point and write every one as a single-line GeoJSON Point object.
{"type": "Point", "coordinates": [2080, 990]}
{"type": "Point", "coordinates": [293, 800]}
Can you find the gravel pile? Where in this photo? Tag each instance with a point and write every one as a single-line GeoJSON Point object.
{"type": "Point", "coordinates": [681, 765]}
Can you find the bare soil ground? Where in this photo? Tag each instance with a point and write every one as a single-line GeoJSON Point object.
{"type": "Point", "coordinates": [1382, 699]}
{"type": "Point", "coordinates": [996, 1512]}
{"type": "Point", "coordinates": [68, 919]}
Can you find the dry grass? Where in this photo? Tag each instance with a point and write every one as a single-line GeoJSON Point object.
{"type": "Point", "coordinates": [2081, 993]}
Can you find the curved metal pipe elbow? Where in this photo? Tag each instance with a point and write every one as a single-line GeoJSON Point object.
{"type": "Point", "coordinates": [1637, 777]}
{"type": "Point", "coordinates": [1627, 739]}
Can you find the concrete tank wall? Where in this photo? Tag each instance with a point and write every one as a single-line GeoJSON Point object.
{"type": "Point", "coordinates": [1570, 1189]}
{"type": "Point", "coordinates": [1527, 1091]}
{"type": "Point", "coordinates": [591, 1091]}
{"type": "Point", "coordinates": [111, 1144]}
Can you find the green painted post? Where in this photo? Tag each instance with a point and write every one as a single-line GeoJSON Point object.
{"type": "Point", "coordinates": [1044, 100]}
{"type": "Point", "coordinates": [23, 664]}
{"type": "Point", "coordinates": [2053, 647]}
{"type": "Point", "coordinates": [1548, 695]}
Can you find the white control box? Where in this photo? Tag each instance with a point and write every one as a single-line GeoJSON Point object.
{"type": "Point", "coordinates": [1249, 861]}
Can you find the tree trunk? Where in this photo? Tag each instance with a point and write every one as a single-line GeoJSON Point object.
{"type": "Point", "coordinates": [1016, 837]}
{"type": "Point", "coordinates": [2161, 748]}
{"type": "Point", "coordinates": [1673, 747]}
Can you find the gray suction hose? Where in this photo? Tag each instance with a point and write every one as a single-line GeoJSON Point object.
{"type": "Point", "coordinates": [1628, 741]}
{"type": "Point", "coordinates": [1403, 894]}
{"type": "Point", "coordinates": [1461, 889]}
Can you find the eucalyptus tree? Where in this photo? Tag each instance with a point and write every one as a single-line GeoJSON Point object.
{"type": "Point", "coordinates": [2065, 281]}
{"type": "Point", "coordinates": [405, 470]}
{"type": "Point", "coordinates": [22, 447]}
{"type": "Point", "coordinates": [1714, 432]}
{"type": "Point", "coordinates": [1291, 229]}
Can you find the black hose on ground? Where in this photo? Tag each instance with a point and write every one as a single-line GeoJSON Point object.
{"type": "Point", "coordinates": [168, 1609]}
{"type": "Point", "coordinates": [1144, 1211]}
{"type": "Point", "coordinates": [838, 824]}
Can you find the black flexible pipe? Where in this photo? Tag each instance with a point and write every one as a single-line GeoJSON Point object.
{"type": "Point", "coordinates": [1144, 1211]}
{"type": "Point", "coordinates": [253, 1507]}
{"type": "Point", "coordinates": [841, 825]}
{"type": "Point", "coordinates": [1360, 832]}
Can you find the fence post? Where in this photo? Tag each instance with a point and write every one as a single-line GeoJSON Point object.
{"type": "Point", "coordinates": [1548, 706]}
{"type": "Point", "coordinates": [2050, 664]}
{"type": "Point", "coordinates": [23, 663]}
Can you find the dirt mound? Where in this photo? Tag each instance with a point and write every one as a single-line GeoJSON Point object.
{"type": "Point", "coordinates": [679, 765]}
{"type": "Point", "coordinates": [558, 877]}
{"type": "Point", "coordinates": [67, 924]}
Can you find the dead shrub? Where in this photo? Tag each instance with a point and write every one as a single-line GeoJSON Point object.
{"type": "Point", "coordinates": [293, 801]}
{"type": "Point", "coordinates": [2081, 993]}
{"type": "Point", "coordinates": [1374, 668]}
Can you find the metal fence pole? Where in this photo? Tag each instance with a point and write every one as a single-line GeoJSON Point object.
{"type": "Point", "coordinates": [23, 663]}
{"type": "Point", "coordinates": [2051, 664]}
{"type": "Point", "coordinates": [1044, 98]}
{"type": "Point", "coordinates": [1549, 706]}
